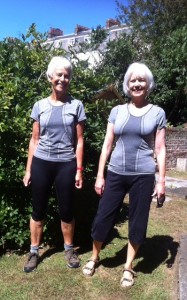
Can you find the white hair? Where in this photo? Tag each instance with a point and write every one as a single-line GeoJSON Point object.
{"type": "Point", "coordinates": [138, 69]}
{"type": "Point", "coordinates": [56, 63]}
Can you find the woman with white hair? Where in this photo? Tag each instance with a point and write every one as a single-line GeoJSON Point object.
{"type": "Point", "coordinates": [55, 157]}
{"type": "Point", "coordinates": [135, 127]}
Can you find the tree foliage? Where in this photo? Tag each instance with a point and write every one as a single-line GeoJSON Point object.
{"type": "Point", "coordinates": [159, 34]}
{"type": "Point", "coordinates": [171, 76]}
{"type": "Point", "coordinates": [98, 35]}
{"type": "Point", "coordinates": [153, 18]}
{"type": "Point", "coordinates": [118, 55]}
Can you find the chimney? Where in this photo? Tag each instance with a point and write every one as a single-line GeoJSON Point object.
{"type": "Point", "coordinates": [111, 22]}
{"type": "Point", "coordinates": [53, 32]}
{"type": "Point", "coordinates": [80, 28]}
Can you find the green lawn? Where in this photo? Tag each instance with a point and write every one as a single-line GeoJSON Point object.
{"type": "Point", "coordinates": [177, 174]}
{"type": "Point", "coordinates": [156, 265]}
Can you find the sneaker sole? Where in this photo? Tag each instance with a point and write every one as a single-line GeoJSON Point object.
{"type": "Point", "coordinates": [73, 267]}
{"type": "Point", "coordinates": [29, 271]}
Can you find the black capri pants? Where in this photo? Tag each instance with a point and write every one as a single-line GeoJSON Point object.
{"type": "Point", "coordinates": [43, 175]}
{"type": "Point", "coordinates": [140, 189]}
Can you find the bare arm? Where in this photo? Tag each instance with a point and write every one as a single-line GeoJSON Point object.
{"type": "Point", "coordinates": [160, 151]}
{"type": "Point", "coordinates": [106, 150]}
{"type": "Point", "coordinates": [79, 154]}
{"type": "Point", "coordinates": [32, 148]}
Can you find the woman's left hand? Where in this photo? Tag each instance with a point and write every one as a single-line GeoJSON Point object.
{"type": "Point", "coordinates": [99, 185]}
{"type": "Point", "coordinates": [160, 189]}
{"type": "Point", "coordinates": [78, 180]}
{"type": "Point", "coordinates": [159, 193]}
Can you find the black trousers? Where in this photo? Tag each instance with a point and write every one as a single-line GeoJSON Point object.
{"type": "Point", "coordinates": [43, 175]}
{"type": "Point", "coordinates": [140, 188]}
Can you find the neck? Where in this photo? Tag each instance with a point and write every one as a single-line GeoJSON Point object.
{"type": "Point", "coordinates": [58, 97]}
{"type": "Point", "coordinates": [139, 104]}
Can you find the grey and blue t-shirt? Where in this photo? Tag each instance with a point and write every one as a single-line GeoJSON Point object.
{"type": "Point", "coordinates": [133, 152]}
{"type": "Point", "coordinates": [57, 128]}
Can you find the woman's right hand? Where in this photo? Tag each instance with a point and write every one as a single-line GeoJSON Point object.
{"type": "Point", "coordinates": [27, 178]}
{"type": "Point", "coordinates": [99, 185]}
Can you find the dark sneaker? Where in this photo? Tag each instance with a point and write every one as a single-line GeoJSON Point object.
{"type": "Point", "coordinates": [31, 263]}
{"type": "Point", "coordinates": [72, 259]}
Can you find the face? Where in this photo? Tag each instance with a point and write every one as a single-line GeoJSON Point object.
{"type": "Point", "coordinates": [138, 86]}
{"type": "Point", "coordinates": [60, 80]}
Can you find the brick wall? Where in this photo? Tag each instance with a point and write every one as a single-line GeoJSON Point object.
{"type": "Point", "coordinates": [176, 144]}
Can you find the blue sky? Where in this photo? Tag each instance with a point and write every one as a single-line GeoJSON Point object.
{"type": "Point", "coordinates": [17, 15]}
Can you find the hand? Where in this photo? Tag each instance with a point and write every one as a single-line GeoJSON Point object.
{"type": "Point", "coordinates": [78, 179]}
{"type": "Point", "coordinates": [27, 178]}
{"type": "Point", "coordinates": [160, 189]}
{"type": "Point", "coordinates": [159, 193]}
{"type": "Point", "coordinates": [99, 185]}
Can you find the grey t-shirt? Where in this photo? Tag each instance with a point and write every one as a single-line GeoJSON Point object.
{"type": "Point", "coordinates": [133, 152]}
{"type": "Point", "coordinates": [57, 128]}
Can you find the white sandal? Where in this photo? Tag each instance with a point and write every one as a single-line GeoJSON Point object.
{"type": "Point", "coordinates": [89, 269]}
{"type": "Point", "coordinates": [127, 282]}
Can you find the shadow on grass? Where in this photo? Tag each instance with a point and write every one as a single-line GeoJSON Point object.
{"type": "Point", "coordinates": [82, 239]}
{"type": "Point", "coordinates": [51, 251]}
{"type": "Point", "coordinates": [154, 252]}
{"type": "Point", "coordinates": [157, 250]}
{"type": "Point", "coordinates": [83, 231]}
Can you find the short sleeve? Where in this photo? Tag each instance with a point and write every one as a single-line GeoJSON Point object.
{"type": "Point", "coordinates": [113, 114]}
{"type": "Point", "coordinates": [161, 121]}
{"type": "Point", "coordinates": [81, 116]}
{"type": "Point", "coordinates": [35, 112]}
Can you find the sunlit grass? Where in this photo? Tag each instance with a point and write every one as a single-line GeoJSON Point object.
{"type": "Point", "coordinates": [156, 265]}
{"type": "Point", "coordinates": [177, 174]}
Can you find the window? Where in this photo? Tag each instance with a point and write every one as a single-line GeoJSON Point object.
{"type": "Point", "coordinates": [87, 39]}
{"type": "Point", "coordinates": [72, 41]}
